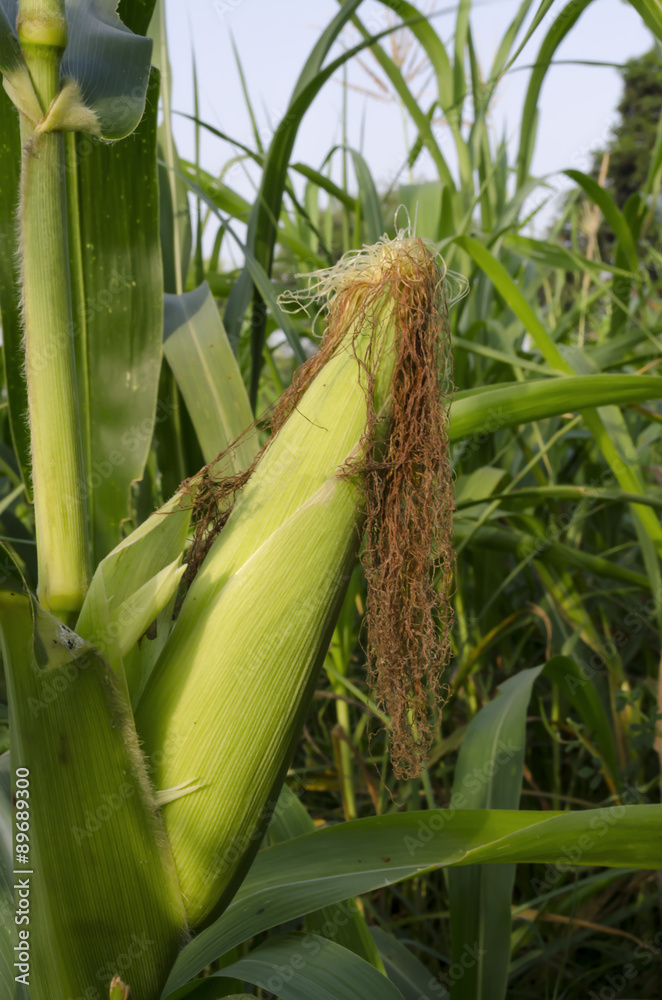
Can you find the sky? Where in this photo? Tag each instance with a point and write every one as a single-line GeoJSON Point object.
{"type": "Point", "coordinates": [576, 109]}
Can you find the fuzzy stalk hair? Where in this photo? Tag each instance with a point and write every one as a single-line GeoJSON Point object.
{"type": "Point", "coordinates": [403, 474]}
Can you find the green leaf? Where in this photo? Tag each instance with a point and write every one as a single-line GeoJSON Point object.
{"type": "Point", "coordinates": [651, 14]}
{"type": "Point", "coordinates": [508, 40]}
{"type": "Point", "coordinates": [199, 354]}
{"type": "Point", "coordinates": [537, 19]}
{"type": "Point", "coordinates": [223, 196]}
{"type": "Point", "coordinates": [482, 482]}
{"type": "Point", "coordinates": [423, 203]}
{"type": "Point", "coordinates": [175, 216]}
{"type": "Point", "coordinates": [448, 79]}
{"type": "Point", "coordinates": [539, 494]}
{"type": "Point", "coordinates": [289, 819]}
{"type": "Point", "coordinates": [209, 989]}
{"type": "Point", "coordinates": [105, 71]}
{"type": "Point", "coordinates": [429, 40]}
{"type": "Point", "coordinates": [490, 410]}
{"type": "Point", "coordinates": [294, 878]}
{"type": "Point", "coordinates": [624, 466]}
{"type": "Point", "coordinates": [512, 295]}
{"type": "Point", "coordinates": [514, 360]}
{"type": "Point", "coordinates": [260, 279]}
{"type": "Point", "coordinates": [136, 14]}
{"type": "Point", "coordinates": [10, 51]}
{"type": "Point", "coordinates": [17, 82]}
{"type": "Point", "coordinates": [369, 198]}
{"type": "Point", "coordinates": [488, 775]}
{"type": "Point", "coordinates": [633, 214]}
{"type": "Point", "coordinates": [566, 19]}
{"type": "Point", "coordinates": [12, 333]}
{"type": "Point", "coordinates": [400, 84]}
{"type": "Point", "coordinates": [175, 219]}
{"type": "Point", "coordinates": [613, 216]}
{"type": "Point", "coordinates": [308, 967]}
{"type": "Point", "coordinates": [527, 547]}
{"type": "Point", "coordinates": [114, 629]}
{"type": "Point", "coordinates": [344, 924]}
{"type": "Point", "coordinates": [325, 183]}
{"type": "Point", "coordinates": [144, 553]}
{"type": "Point", "coordinates": [118, 316]}
{"type": "Point", "coordinates": [109, 63]}
{"type": "Point", "coordinates": [136, 563]}
{"type": "Point", "coordinates": [404, 969]}
{"type": "Point", "coordinates": [263, 223]}
{"type": "Point", "coordinates": [461, 34]}
{"type": "Point", "coordinates": [580, 692]}
{"type": "Point", "coordinates": [557, 256]}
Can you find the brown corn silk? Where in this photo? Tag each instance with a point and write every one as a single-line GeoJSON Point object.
{"type": "Point", "coordinates": [211, 493]}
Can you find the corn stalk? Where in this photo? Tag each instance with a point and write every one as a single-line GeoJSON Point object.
{"type": "Point", "coordinates": [57, 462]}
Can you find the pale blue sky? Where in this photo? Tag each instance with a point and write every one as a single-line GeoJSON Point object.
{"type": "Point", "coordinates": [274, 39]}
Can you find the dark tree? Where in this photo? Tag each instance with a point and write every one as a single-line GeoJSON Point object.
{"type": "Point", "coordinates": [633, 138]}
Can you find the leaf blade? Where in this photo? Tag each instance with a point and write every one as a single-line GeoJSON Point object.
{"type": "Point", "coordinates": [292, 879]}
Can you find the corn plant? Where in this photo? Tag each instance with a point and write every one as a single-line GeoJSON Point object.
{"type": "Point", "coordinates": [159, 663]}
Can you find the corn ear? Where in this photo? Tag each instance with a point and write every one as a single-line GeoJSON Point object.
{"type": "Point", "coordinates": [243, 688]}
{"type": "Point", "coordinates": [229, 692]}
{"type": "Point", "coordinates": [104, 898]}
